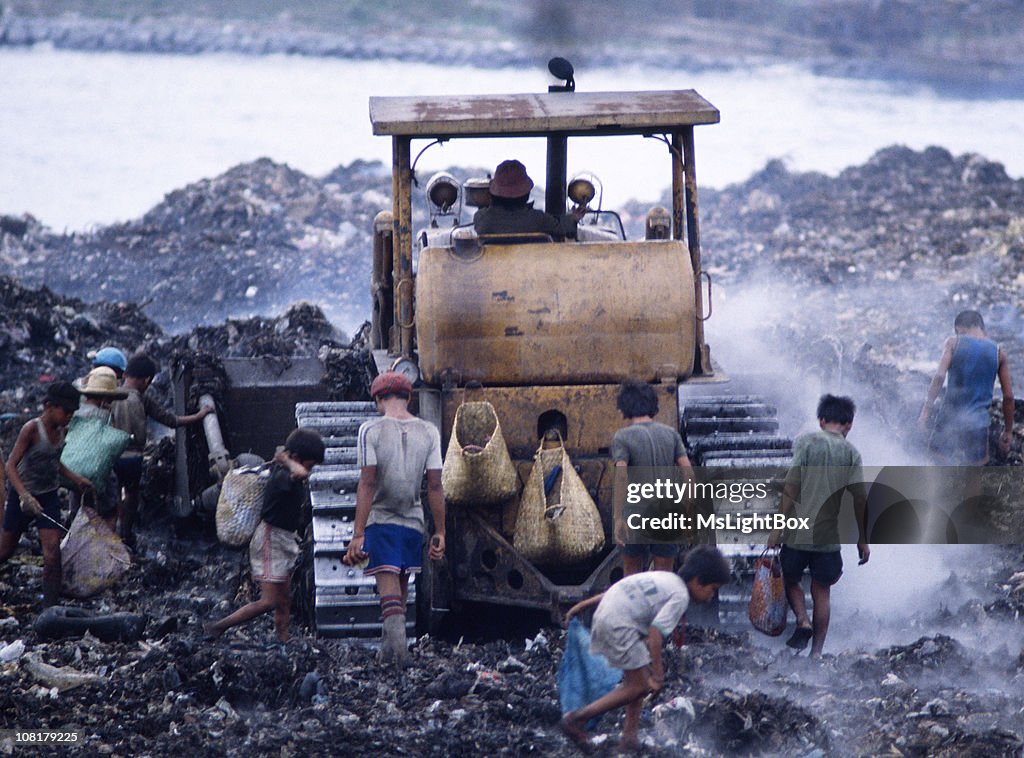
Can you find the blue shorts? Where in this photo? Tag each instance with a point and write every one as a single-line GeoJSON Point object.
{"type": "Point", "coordinates": [825, 568]}
{"type": "Point", "coordinates": [393, 549]}
{"type": "Point", "coordinates": [16, 521]}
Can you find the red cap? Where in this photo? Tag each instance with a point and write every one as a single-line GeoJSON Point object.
{"type": "Point", "coordinates": [391, 383]}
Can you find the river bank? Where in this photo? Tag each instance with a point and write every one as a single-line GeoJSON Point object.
{"type": "Point", "coordinates": [970, 49]}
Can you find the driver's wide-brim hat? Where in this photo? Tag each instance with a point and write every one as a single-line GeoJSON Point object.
{"type": "Point", "coordinates": [511, 180]}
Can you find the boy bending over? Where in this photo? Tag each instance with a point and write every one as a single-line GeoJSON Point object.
{"type": "Point", "coordinates": [632, 619]}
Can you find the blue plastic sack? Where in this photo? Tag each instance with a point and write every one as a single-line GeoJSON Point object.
{"type": "Point", "coordinates": [582, 676]}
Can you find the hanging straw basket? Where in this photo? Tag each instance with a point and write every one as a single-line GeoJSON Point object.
{"type": "Point", "coordinates": [477, 467]}
{"type": "Point", "coordinates": [557, 523]}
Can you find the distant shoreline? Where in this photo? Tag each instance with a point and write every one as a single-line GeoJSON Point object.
{"type": "Point", "coordinates": [199, 35]}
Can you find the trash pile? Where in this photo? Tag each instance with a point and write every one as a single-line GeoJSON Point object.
{"type": "Point", "coordinates": [44, 336]}
{"type": "Point", "coordinates": [725, 694]}
{"type": "Point", "coordinates": [860, 275]}
{"type": "Point", "coordinates": [953, 691]}
{"type": "Point", "coordinates": [250, 241]}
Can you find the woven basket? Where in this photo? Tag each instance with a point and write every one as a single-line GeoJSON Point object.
{"type": "Point", "coordinates": [240, 505]}
{"type": "Point", "coordinates": [477, 468]}
{"type": "Point", "coordinates": [562, 526]}
{"type": "Point", "coordinates": [91, 448]}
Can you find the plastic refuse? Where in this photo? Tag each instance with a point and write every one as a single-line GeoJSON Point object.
{"type": "Point", "coordinates": [673, 718]}
{"type": "Point", "coordinates": [12, 652]}
{"type": "Point", "coordinates": [65, 678]}
{"type": "Point", "coordinates": [582, 676]}
{"type": "Point", "coordinates": [540, 642]}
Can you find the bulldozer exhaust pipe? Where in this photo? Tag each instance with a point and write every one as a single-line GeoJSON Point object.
{"type": "Point", "coordinates": [220, 464]}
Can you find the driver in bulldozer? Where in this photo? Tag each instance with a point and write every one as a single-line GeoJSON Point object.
{"type": "Point", "coordinates": [511, 211]}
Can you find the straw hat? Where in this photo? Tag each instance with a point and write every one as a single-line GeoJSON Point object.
{"type": "Point", "coordinates": [101, 382]}
{"type": "Point", "coordinates": [511, 180]}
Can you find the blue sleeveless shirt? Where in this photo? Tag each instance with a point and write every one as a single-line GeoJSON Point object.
{"type": "Point", "coordinates": [972, 373]}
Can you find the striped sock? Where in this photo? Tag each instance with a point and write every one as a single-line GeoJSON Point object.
{"type": "Point", "coordinates": [391, 605]}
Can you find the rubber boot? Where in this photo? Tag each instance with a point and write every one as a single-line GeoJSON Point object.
{"type": "Point", "coordinates": [393, 646]}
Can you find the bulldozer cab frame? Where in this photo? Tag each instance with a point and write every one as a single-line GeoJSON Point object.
{"type": "Point", "coordinates": [669, 115]}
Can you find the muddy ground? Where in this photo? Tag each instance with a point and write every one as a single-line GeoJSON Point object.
{"type": "Point", "coordinates": [846, 283]}
{"type": "Point", "coordinates": [952, 690]}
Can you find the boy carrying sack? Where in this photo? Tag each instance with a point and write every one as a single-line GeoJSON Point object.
{"type": "Point", "coordinates": [630, 624]}
{"type": "Point", "coordinates": [275, 544]}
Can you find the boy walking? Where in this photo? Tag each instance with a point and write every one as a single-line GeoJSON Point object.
{"type": "Point", "coordinates": [394, 451]}
{"type": "Point", "coordinates": [631, 622]}
{"type": "Point", "coordinates": [131, 415]}
{"type": "Point", "coordinates": [972, 362]}
{"type": "Point", "coordinates": [33, 477]}
{"type": "Point", "coordinates": [275, 544]}
{"type": "Point", "coordinates": [825, 466]}
{"type": "Point", "coordinates": [647, 445]}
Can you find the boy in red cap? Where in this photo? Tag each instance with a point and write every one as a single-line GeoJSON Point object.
{"type": "Point", "coordinates": [394, 451]}
{"type": "Point", "coordinates": [511, 211]}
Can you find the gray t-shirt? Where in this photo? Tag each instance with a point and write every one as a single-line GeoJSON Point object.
{"type": "Point", "coordinates": [647, 444]}
{"type": "Point", "coordinates": [824, 466]}
{"type": "Point", "coordinates": [650, 450]}
{"type": "Point", "coordinates": [401, 450]}
{"type": "Point", "coordinates": [640, 601]}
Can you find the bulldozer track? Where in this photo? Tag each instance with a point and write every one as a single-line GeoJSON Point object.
{"type": "Point", "coordinates": [738, 433]}
{"type": "Point", "coordinates": [346, 603]}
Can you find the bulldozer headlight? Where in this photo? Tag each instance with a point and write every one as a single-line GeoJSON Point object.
{"type": "Point", "coordinates": [443, 192]}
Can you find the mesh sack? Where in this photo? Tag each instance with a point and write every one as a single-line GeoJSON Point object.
{"type": "Point", "coordinates": [559, 523]}
{"type": "Point", "coordinates": [767, 607]}
{"type": "Point", "coordinates": [240, 504]}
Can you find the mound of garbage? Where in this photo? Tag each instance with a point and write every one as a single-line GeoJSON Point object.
{"type": "Point", "coordinates": [725, 694]}
{"type": "Point", "coordinates": [250, 241]}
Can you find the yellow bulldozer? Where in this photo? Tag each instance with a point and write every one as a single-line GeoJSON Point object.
{"type": "Point", "coordinates": [543, 330]}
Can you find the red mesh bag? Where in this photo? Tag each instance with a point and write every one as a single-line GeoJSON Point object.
{"type": "Point", "coordinates": [767, 608]}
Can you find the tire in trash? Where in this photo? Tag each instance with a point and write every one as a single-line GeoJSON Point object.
{"type": "Point", "coordinates": [63, 621]}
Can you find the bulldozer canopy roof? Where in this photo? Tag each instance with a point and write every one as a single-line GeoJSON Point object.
{"type": "Point", "coordinates": [572, 113]}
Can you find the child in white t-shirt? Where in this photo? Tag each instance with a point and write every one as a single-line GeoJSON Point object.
{"type": "Point", "coordinates": [630, 624]}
